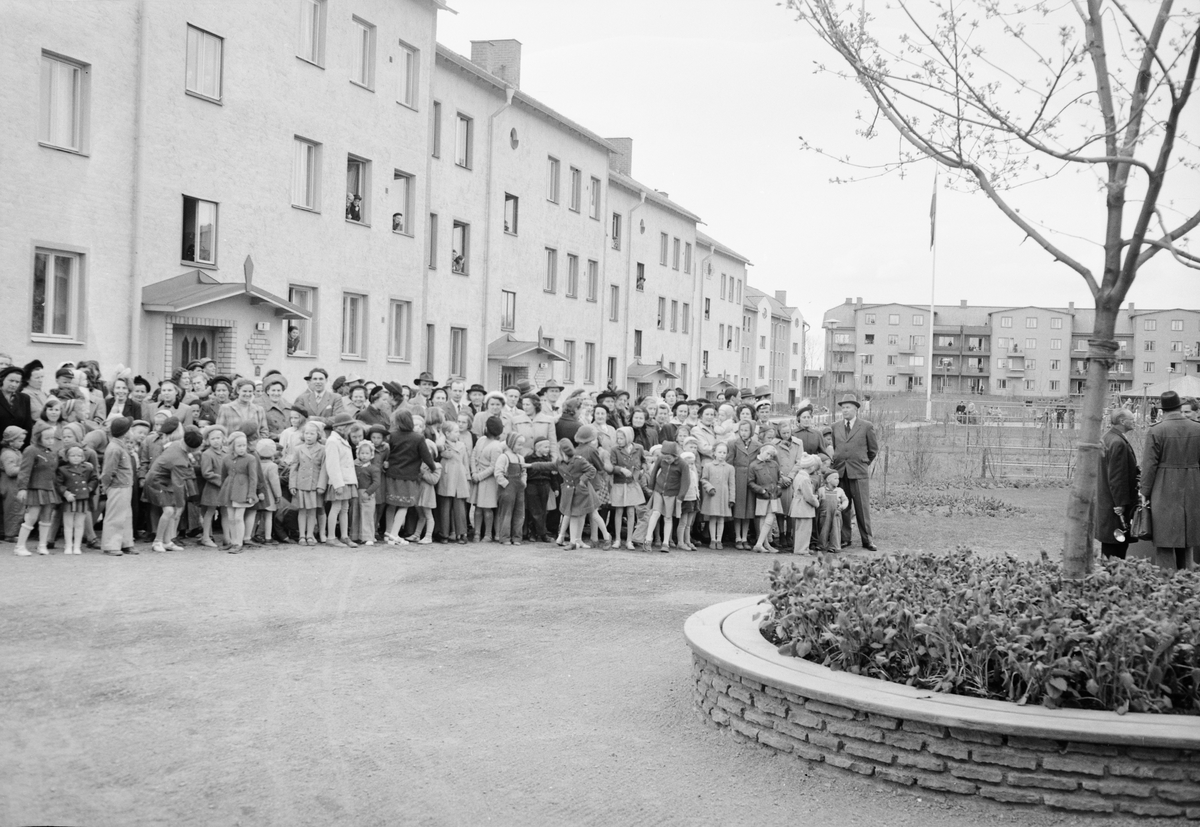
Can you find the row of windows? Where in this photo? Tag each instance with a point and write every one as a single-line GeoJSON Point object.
{"type": "Point", "coordinates": [1152, 324]}
{"type": "Point", "coordinates": [668, 249]}
{"type": "Point", "coordinates": [310, 47]}
{"type": "Point", "coordinates": [1031, 322]}
{"type": "Point", "coordinates": [918, 319]}
{"type": "Point", "coordinates": [675, 316]}
{"type": "Point", "coordinates": [550, 284]}
{"type": "Point", "coordinates": [734, 292]}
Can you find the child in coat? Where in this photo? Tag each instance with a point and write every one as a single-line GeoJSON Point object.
{"type": "Point", "coordinates": [689, 502]}
{"type": "Point", "coordinates": [764, 484]}
{"type": "Point", "coordinates": [454, 486]}
{"type": "Point", "coordinates": [36, 489]}
{"type": "Point", "coordinates": [116, 481]}
{"type": "Point", "coordinates": [626, 493]}
{"type": "Point", "coordinates": [212, 471]}
{"type": "Point", "coordinates": [240, 491]}
{"type": "Point", "coordinates": [76, 480]}
{"type": "Point", "coordinates": [804, 502]}
{"type": "Point", "coordinates": [369, 479]}
{"type": "Point", "coordinates": [10, 460]}
{"type": "Point", "coordinates": [342, 492]}
{"type": "Point", "coordinates": [578, 497]}
{"type": "Point", "coordinates": [833, 503]}
{"type": "Point", "coordinates": [307, 482]}
{"type": "Point", "coordinates": [272, 490]}
{"type": "Point", "coordinates": [717, 502]}
{"type": "Point", "coordinates": [668, 480]}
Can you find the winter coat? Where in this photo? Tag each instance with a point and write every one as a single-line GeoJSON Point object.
{"type": "Point", "coordinates": [1171, 480]}
{"type": "Point", "coordinates": [79, 480]}
{"type": "Point", "coordinates": [456, 475]}
{"type": "Point", "coordinates": [242, 480]}
{"type": "Point", "coordinates": [339, 462]}
{"type": "Point", "coordinates": [763, 479]}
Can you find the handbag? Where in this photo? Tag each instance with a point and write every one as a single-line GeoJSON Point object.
{"type": "Point", "coordinates": [1140, 527]}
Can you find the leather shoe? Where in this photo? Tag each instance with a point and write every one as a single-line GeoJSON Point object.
{"type": "Point", "coordinates": [870, 547]}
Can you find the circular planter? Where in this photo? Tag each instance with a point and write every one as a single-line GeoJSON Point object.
{"type": "Point", "coordinates": [1069, 759]}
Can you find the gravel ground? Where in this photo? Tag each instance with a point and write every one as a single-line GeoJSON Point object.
{"type": "Point", "coordinates": [427, 685]}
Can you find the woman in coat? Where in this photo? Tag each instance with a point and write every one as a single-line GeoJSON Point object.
{"type": "Point", "coordinates": [407, 452]}
{"type": "Point", "coordinates": [743, 450]}
{"type": "Point", "coordinates": [1171, 482]}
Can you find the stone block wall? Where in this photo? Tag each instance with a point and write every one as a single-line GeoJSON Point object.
{"type": "Point", "coordinates": [1065, 775]}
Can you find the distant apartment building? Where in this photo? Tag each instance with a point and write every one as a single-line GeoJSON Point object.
{"type": "Point", "coordinates": [1020, 351]}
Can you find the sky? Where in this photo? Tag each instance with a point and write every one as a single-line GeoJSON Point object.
{"type": "Point", "coordinates": [716, 94]}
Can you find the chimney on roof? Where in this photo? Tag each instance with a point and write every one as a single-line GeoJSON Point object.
{"type": "Point", "coordinates": [849, 300]}
{"type": "Point", "coordinates": [962, 302]}
{"type": "Point", "coordinates": [858, 302]}
{"type": "Point", "coordinates": [1070, 305]}
{"type": "Point", "coordinates": [1131, 307]}
{"type": "Point", "coordinates": [781, 297]}
{"type": "Point", "coordinates": [622, 159]}
{"type": "Point", "coordinates": [500, 57]}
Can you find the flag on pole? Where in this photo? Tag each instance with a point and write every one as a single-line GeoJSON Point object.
{"type": "Point", "coordinates": [933, 210]}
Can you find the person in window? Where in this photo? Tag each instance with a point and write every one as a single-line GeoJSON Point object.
{"type": "Point", "coordinates": [457, 263]}
{"type": "Point", "coordinates": [293, 339]}
{"type": "Point", "coordinates": [398, 222]}
{"type": "Point", "coordinates": [353, 207]}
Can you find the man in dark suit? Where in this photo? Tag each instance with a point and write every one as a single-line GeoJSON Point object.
{"type": "Point", "coordinates": [854, 449]}
{"type": "Point", "coordinates": [1116, 486]}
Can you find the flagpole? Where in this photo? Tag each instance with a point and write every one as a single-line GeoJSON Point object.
{"type": "Point", "coordinates": [932, 282]}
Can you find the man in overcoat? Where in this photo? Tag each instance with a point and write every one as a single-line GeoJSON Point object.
{"type": "Point", "coordinates": [1116, 486]}
{"type": "Point", "coordinates": [1171, 482]}
{"type": "Point", "coordinates": [854, 449]}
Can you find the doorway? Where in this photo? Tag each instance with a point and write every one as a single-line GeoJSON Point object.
{"type": "Point", "coordinates": [193, 343]}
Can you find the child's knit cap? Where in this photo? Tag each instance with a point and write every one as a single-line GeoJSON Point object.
{"type": "Point", "coordinates": [670, 449]}
{"type": "Point", "coordinates": [265, 448]}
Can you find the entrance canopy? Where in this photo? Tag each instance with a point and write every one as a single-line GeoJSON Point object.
{"type": "Point", "coordinates": [645, 373]}
{"type": "Point", "coordinates": [198, 288]}
{"type": "Point", "coordinates": [508, 347]}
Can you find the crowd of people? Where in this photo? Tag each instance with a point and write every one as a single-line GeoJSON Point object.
{"type": "Point", "coordinates": [107, 462]}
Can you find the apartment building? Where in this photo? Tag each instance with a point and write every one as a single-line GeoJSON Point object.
{"type": "Point", "coordinates": [774, 353]}
{"type": "Point", "coordinates": [1020, 352]}
{"type": "Point", "coordinates": [345, 193]}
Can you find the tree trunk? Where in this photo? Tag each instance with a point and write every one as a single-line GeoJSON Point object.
{"type": "Point", "coordinates": [1077, 547]}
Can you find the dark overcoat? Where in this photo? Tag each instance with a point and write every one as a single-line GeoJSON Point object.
{"type": "Point", "coordinates": [1116, 484]}
{"type": "Point", "coordinates": [1171, 480]}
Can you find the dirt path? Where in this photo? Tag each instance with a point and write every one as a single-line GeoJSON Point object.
{"type": "Point", "coordinates": [445, 685]}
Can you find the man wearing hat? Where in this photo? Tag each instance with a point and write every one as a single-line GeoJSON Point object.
{"type": "Point", "coordinates": [425, 385]}
{"type": "Point", "coordinates": [475, 397]}
{"type": "Point", "coordinates": [552, 390]}
{"type": "Point", "coordinates": [854, 449]}
{"type": "Point", "coordinates": [1170, 483]}
{"type": "Point", "coordinates": [745, 394]}
{"type": "Point", "coordinates": [318, 400]}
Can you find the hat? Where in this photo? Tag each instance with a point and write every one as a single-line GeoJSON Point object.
{"type": "Point", "coordinates": [10, 369]}
{"type": "Point", "coordinates": [600, 397]}
{"type": "Point", "coordinates": [745, 393]}
{"type": "Point", "coordinates": [274, 378]}
{"type": "Point", "coordinates": [810, 463]}
{"type": "Point", "coordinates": [762, 403]}
{"type": "Point", "coordinates": [212, 428]}
{"type": "Point", "coordinates": [143, 423]}
{"type": "Point", "coordinates": [549, 386]}
{"type": "Point", "coordinates": [374, 392]}
{"type": "Point", "coordinates": [308, 376]}
{"type": "Point", "coordinates": [206, 362]}
{"type": "Point", "coordinates": [687, 456]}
{"type": "Point", "coordinates": [493, 427]}
{"type": "Point", "coordinates": [377, 429]}
{"type": "Point", "coordinates": [351, 387]}
{"type": "Point", "coordinates": [586, 433]}
{"type": "Point", "coordinates": [1171, 401]}
{"type": "Point", "coordinates": [192, 365]}
{"type": "Point", "coordinates": [300, 409]}
{"type": "Point", "coordinates": [192, 438]}
{"type": "Point", "coordinates": [242, 380]}
{"type": "Point", "coordinates": [265, 448]}
{"type": "Point", "coordinates": [64, 373]}
{"type": "Point", "coordinates": [803, 409]}
{"type": "Point", "coordinates": [525, 386]}
{"type": "Point", "coordinates": [169, 425]}
{"type": "Point", "coordinates": [394, 389]}
{"type": "Point", "coordinates": [476, 388]}
{"type": "Point", "coordinates": [670, 449]}
{"type": "Point", "coordinates": [338, 382]}
{"type": "Point", "coordinates": [426, 377]}
{"type": "Point", "coordinates": [762, 390]}
{"type": "Point", "coordinates": [30, 367]}
{"type": "Point", "coordinates": [220, 380]}
{"type": "Point", "coordinates": [851, 399]}
{"type": "Point", "coordinates": [342, 420]}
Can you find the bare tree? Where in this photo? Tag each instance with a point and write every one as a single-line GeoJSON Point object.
{"type": "Point", "coordinates": [1007, 93]}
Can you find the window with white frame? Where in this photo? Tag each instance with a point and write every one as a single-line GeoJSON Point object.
{"type": "Point", "coordinates": [402, 193]}
{"type": "Point", "coordinates": [1030, 322]}
{"type": "Point", "coordinates": [410, 76]}
{"type": "Point", "coordinates": [616, 231]}
{"type": "Point", "coordinates": [739, 290]}
{"type": "Point", "coordinates": [593, 280]}
{"type": "Point", "coordinates": [1150, 324]}
{"type": "Point", "coordinates": [891, 380]}
{"type": "Point", "coordinates": [707, 309]}
{"type": "Point", "coordinates": [1056, 344]}
{"type": "Point", "coordinates": [662, 313]}
{"type": "Point", "coordinates": [1177, 347]}
{"type": "Point", "coordinates": [199, 238]}
{"type": "Point", "coordinates": [550, 283]}
{"type": "Point", "coordinates": [868, 318]}
{"type": "Point", "coordinates": [1030, 364]}
{"type": "Point", "coordinates": [358, 190]}
{"type": "Point", "coordinates": [675, 254]}
{"type": "Point", "coordinates": [363, 70]}
{"type": "Point", "coordinates": [1030, 344]}
{"type": "Point", "coordinates": [305, 341]}
{"type": "Point", "coordinates": [893, 318]}
{"type": "Point", "coordinates": [64, 102]}
{"type": "Point", "coordinates": [576, 190]}
{"type": "Point", "coordinates": [589, 362]}
{"type": "Point", "coordinates": [306, 174]}
{"type": "Point", "coordinates": [57, 293]}
{"type": "Point", "coordinates": [720, 337]}
{"type": "Point", "coordinates": [1177, 324]}
{"type": "Point", "coordinates": [1149, 346]}
{"type": "Point", "coordinates": [430, 347]}
{"type": "Point", "coordinates": [687, 312]}
{"type": "Point", "coordinates": [400, 330]}
{"type": "Point", "coordinates": [687, 257]}
{"type": "Point", "coordinates": [664, 245]}
{"type": "Point", "coordinates": [1056, 323]}
{"type": "Point", "coordinates": [674, 315]}
{"type": "Point", "coordinates": [203, 76]}
{"type": "Point", "coordinates": [508, 310]}
{"type": "Point", "coordinates": [918, 320]}
{"type": "Point", "coordinates": [435, 143]}
{"type": "Point", "coordinates": [572, 275]}
{"type": "Point", "coordinates": [640, 278]}
{"type": "Point", "coordinates": [1148, 367]}
{"type": "Point", "coordinates": [1054, 385]}
{"type": "Point", "coordinates": [552, 174]}
{"type": "Point", "coordinates": [612, 371]}
{"type": "Point", "coordinates": [569, 365]}
{"type": "Point", "coordinates": [637, 344]}
{"type": "Point", "coordinates": [311, 46]}
{"type": "Point", "coordinates": [460, 248]}
{"type": "Point", "coordinates": [511, 213]}
{"type": "Point", "coordinates": [433, 240]}
{"type": "Point", "coordinates": [723, 279]}
{"type": "Point", "coordinates": [458, 351]}
{"type": "Point", "coordinates": [463, 140]}
{"type": "Point", "coordinates": [595, 196]}
{"type": "Point", "coordinates": [1006, 321]}
{"type": "Point", "coordinates": [354, 328]}
{"type": "Point", "coordinates": [614, 302]}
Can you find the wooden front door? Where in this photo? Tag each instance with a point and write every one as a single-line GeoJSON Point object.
{"type": "Point", "coordinates": [192, 343]}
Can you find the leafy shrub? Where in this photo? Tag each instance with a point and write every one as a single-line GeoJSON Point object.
{"type": "Point", "coordinates": [945, 503]}
{"type": "Point", "coordinates": [1123, 639]}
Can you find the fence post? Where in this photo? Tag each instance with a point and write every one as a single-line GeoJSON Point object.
{"type": "Point", "coordinates": [984, 465]}
{"type": "Point", "coordinates": [885, 469]}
